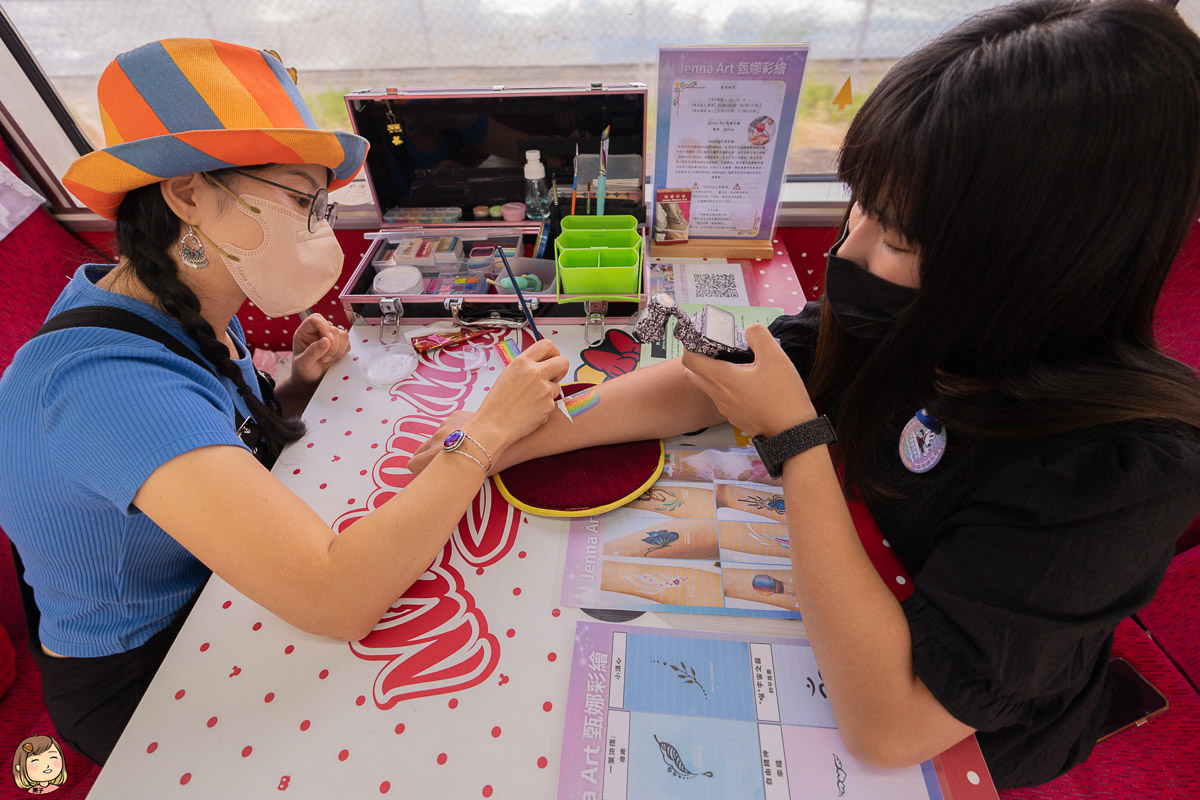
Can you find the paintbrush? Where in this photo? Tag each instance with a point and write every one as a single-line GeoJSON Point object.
{"type": "Point", "coordinates": [575, 178]}
{"type": "Point", "coordinates": [520, 297]}
{"type": "Point", "coordinates": [603, 171]}
{"type": "Point", "coordinates": [558, 402]}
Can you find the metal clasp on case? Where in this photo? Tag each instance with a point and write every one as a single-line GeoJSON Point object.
{"type": "Point", "coordinates": [392, 310]}
{"type": "Point", "coordinates": [490, 319]}
{"type": "Point", "coordinates": [593, 329]}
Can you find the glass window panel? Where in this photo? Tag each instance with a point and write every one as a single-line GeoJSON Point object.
{"type": "Point", "coordinates": [342, 46]}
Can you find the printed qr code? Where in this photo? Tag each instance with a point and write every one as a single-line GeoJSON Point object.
{"type": "Point", "coordinates": [716, 285]}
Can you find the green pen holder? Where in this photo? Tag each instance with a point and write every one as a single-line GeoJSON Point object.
{"type": "Point", "coordinates": [590, 239]}
{"type": "Point", "coordinates": [591, 222]}
{"type": "Point", "coordinates": [599, 255]}
{"type": "Point", "coordinates": [600, 271]}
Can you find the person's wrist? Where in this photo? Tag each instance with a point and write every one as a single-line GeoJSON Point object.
{"type": "Point", "coordinates": [488, 436]}
{"type": "Point", "coordinates": [777, 426]}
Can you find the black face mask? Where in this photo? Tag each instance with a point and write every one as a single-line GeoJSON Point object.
{"type": "Point", "coordinates": [865, 304]}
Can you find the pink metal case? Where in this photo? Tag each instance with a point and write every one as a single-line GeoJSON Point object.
{"type": "Point", "coordinates": [464, 148]}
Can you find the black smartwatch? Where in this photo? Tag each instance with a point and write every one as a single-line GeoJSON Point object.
{"type": "Point", "coordinates": [779, 448]}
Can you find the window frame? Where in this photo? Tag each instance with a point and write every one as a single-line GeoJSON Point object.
{"type": "Point", "coordinates": [32, 105]}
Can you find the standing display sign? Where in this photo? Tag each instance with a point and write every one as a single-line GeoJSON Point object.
{"type": "Point", "coordinates": [723, 126]}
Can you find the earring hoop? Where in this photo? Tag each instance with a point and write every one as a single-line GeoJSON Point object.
{"type": "Point", "coordinates": [191, 250]}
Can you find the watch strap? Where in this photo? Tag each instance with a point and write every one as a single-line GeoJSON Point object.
{"type": "Point", "coordinates": [795, 440]}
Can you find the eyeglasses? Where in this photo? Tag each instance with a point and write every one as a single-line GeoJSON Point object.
{"type": "Point", "coordinates": [320, 209]}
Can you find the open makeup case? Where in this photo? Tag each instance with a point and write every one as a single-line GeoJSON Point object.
{"type": "Point", "coordinates": [442, 166]}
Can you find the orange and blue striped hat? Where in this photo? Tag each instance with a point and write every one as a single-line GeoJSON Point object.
{"type": "Point", "coordinates": [179, 106]}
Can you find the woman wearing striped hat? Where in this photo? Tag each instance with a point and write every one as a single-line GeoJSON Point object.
{"type": "Point", "coordinates": [135, 427]}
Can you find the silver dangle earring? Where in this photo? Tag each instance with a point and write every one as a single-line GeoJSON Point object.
{"type": "Point", "coordinates": [191, 250]}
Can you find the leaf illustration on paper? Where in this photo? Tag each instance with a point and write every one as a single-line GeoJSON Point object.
{"type": "Point", "coordinates": [674, 762]}
{"type": "Point", "coordinates": [684, 673]}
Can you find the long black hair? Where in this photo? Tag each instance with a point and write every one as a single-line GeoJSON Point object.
{"type": "Point", "coordinates": [1044, 157]}
{"type": "Point", "coordinates": [147, 229]}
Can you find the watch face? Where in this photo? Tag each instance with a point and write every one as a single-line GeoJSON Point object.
{"type": "Point", "coordinates": [719, 326]}
{"type": "Point", "coordinates": [453, 440]}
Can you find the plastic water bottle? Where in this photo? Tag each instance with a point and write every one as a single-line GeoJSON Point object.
{"type": "Point", "coordinates": [537, 195]}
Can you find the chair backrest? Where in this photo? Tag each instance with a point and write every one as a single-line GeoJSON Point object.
{"type": "Point", "coordinates": [36, 262]}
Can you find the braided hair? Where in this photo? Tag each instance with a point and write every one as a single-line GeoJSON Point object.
{"type": "Point", "coordinates": [146, 231]}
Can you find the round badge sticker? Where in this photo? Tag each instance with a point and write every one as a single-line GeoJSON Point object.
{"type": "Point", "coordinates": [922, 443]}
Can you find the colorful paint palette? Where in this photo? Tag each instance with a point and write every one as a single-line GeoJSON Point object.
{"type": "Point", "coordinates": [508, 350]}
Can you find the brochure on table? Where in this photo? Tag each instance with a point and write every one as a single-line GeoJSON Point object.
{"type": "Point", "coordinates": [709, 537]}
{"type": "Point", "coordinates": [657, 713]}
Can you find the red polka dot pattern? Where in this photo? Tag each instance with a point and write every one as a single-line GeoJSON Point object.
{"type": "Point", "coordinates": [552, 656]}
{"type": "Point", "coordinates": [246, 751]}
{"type": "Point", "coordinates": [305, 725]}
{"type": "Point", "coordinates": [270, 696]}
{"type": "Point", "coordinates": [184, 778]}
{"type": "Point", "coordinates": [496, 732]}
{"type": "Point", "coordinates": [342, 756]}
{"type": "Point", "coordinates": [546, 706]}
{"type": "Point", "coordinates": [441, 759]}
{"type": "Point", "coordinates": [179, 695]}
{"type": "Point", "coordinates": [212, 721]}
{"type": "Point", "coordinates": [152, 747]}
{"type": "Point", "coordinates": [358, 701]}
{"type": "Point", "coordinates": [453, 702]}
{"type": "Point", "coordinates": [400, 728]}
{"type": "Point", "coordinates": [542, 762]}
{"type": "Point", "coordinates": [204, 647]}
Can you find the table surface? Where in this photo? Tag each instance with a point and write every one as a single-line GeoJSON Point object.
{"type": "Point", "coordinates": [460, 689]}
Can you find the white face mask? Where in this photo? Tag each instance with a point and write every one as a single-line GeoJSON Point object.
{"type": "Point", "coordinates": [292, 269]}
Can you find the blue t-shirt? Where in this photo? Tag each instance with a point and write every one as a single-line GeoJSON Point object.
{"type": "Point", "coordinates": [86, 415]}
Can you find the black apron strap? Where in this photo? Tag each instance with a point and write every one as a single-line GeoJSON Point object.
{"type": "Point", "coordinates": [120, 319]}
